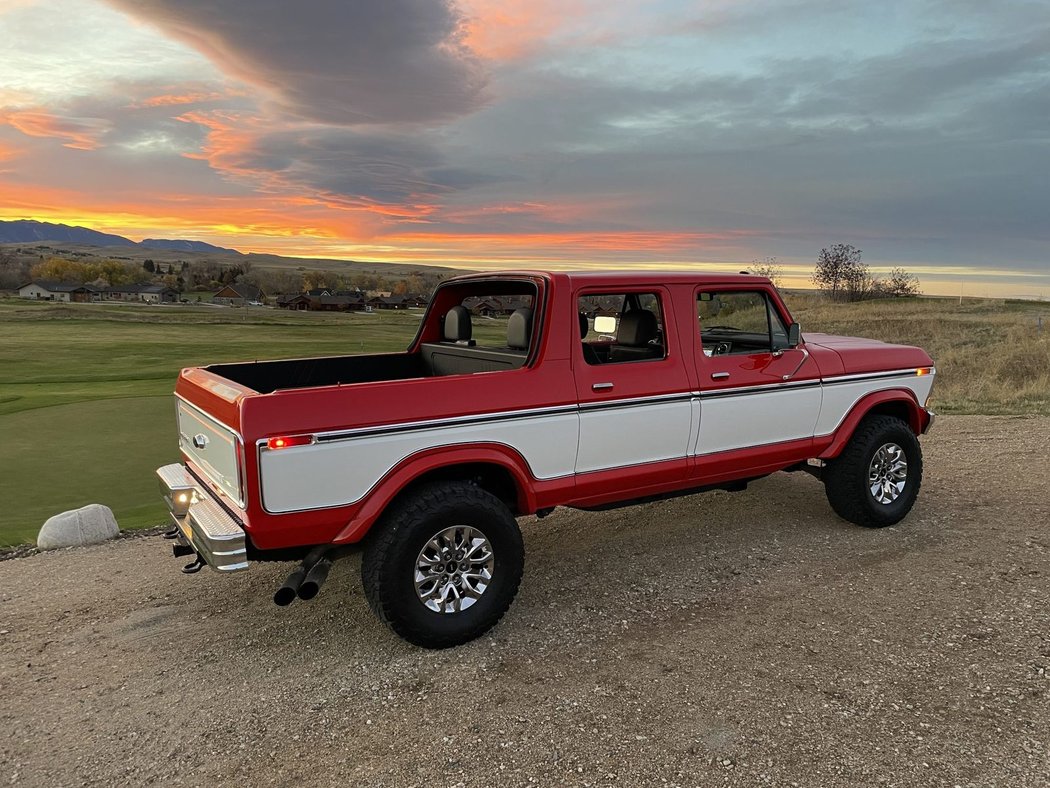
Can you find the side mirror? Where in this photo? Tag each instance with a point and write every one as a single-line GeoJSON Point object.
{"type": "Point", "coordinates": [794, 335]}
{"type": "Point", "coordinates": [605, 324]}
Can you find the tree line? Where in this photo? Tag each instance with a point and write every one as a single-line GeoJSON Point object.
{"type": "Point", "coordinates": [198, 275]}
{"type": "Point", "coordinates": [844, 276]}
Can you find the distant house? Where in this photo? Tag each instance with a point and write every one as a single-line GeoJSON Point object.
{"type": "Point", "coordinates": [47, 290]}
{"type": "Point", "coordinates": [300, 301]}
{"type": "Point", "coordinates": [493, 306]}
{"type": "Point", "coordinates": [388, 302]}
{"type": "Point", "coordinates": [238, 295]}
{"type": "Point", "coordinates": [152, 294]}
{"type": "Point", "coordinates": [339, 301]}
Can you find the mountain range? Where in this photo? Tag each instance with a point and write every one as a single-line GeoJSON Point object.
{"type": "Point", "coordinates": [29, 231]}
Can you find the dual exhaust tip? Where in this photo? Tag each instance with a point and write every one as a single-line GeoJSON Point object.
{"type": "Point", "coordinates": [304, 582]}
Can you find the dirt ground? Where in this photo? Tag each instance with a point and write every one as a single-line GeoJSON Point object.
{"type": "Point", "coordinates": [720, 639]}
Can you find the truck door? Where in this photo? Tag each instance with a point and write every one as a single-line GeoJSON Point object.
{"type": "Point", "coordinates": [754, 389]}
{"type": "Point", "coordinates": [632, 385]}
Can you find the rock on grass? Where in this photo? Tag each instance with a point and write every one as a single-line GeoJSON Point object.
{"type": "Point", "coordinates": [90, 524]}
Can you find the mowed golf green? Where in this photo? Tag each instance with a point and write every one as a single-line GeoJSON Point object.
{"type": "Point", "coordinates": [86, 412]}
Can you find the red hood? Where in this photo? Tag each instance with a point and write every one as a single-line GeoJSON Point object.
{"type": "Point", "coordinates": [870, 355]}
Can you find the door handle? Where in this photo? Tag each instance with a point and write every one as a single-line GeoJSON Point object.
{"type": "Point", "coordinates": [719, 376]}
{"type": "Point", "coordinates": [602, 387]}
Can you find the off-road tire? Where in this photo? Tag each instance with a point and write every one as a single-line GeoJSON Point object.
{"type": "Point", "coordinates": [846, 476]}
{"type": "Point", "coordinates": [390, 554]}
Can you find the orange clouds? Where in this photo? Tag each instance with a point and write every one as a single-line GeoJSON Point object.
{"type": "Point", "coordinates": [504, 30]}
{"type": "Point", "coordinates": [78, 133]}
{"type": "Point", "coordinates": [186, 97]}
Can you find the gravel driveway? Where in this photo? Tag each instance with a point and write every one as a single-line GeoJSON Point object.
{"type": "Point", "coordinates": [720, 639]}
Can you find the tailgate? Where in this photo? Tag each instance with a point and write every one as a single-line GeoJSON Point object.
{"type": "Point", "coordinates": [213, 448]}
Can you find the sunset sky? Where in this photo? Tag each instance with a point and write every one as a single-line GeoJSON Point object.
{"type": "Point", "coordinates": [562, 133]}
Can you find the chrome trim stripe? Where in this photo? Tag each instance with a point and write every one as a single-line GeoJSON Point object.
{"type": "Point", "coordinates": [451, 421]}
{"type": "Point", "coordinates": [897, 373]}
{"type": "Point", "coordinates": [483, 418]}
{"type": "Point", "coordinates": [740, 391]}
{"type": "Point", "coordinates": [630, 402]}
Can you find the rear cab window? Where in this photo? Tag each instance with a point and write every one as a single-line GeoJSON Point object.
{"type": "Point", "coordinates": [480, 326]}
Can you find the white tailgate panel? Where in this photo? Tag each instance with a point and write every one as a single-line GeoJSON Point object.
{"type": "Point", "coordinates": [217, 454]}
{"type": "Point", "coordinates": [343, 471]}
{"type": "Point", "coordinates": [757, 418]}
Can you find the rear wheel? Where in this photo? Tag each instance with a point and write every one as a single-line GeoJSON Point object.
{"type": "Point", "coordinates": [875, 481]}
{"type": "Point", "coordinates": [444, 564]}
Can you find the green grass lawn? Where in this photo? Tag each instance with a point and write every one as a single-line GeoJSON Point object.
{"type": "Point", "coordinates": [86, 412]}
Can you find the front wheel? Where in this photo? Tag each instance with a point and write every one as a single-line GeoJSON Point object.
{"type": "Point", "coordinates": [444, 564]}
{"type": "Point", "coordinates": [875, 481]}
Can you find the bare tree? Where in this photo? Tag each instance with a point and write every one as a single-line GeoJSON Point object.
{"type": "Point", "coordinates": [901, 283]}
{"type": "Point", "coordinates": [841, 274]}
{"type": "Point", "coordinates": [770, 268]}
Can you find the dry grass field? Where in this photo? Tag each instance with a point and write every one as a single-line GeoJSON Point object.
{"type": "Point", "coordinates": [991, 356]}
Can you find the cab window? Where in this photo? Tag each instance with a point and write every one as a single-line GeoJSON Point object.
{"type": "Point", "coordinates": [739, 322]}
{"type": "Point", "coordinates": [617, 328]}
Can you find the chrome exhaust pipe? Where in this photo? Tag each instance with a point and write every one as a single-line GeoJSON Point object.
{"type": "Point", "coordinates": [315, 579]}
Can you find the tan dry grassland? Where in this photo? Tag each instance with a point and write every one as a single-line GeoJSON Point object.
{"type": "Point", "coordinates": [991, 356]}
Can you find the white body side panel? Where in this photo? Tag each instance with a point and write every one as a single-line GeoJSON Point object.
{"type": "Point", "coordinates": [343, 471]}
{"type": "Point", "coordinates": [839, 398]}
{"type": "Point", "coordinates": [757, 418]}
{"type": "Point", "coordinates": [615, 437]}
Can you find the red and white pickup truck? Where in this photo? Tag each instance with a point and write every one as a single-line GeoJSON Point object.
{"type": "Point", "coordinates": [598, 390]}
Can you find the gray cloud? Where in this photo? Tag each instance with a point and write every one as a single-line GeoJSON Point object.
{"type": "Point", "coordinates": [932, 151]}
{"type": "Point", "coordinates": [346, 165]}
{"type": "Point", "coordinates": [334, 61]}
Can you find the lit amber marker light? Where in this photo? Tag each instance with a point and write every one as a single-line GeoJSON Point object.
{"type": "Point", "coordinates": [288, 442]}
{"type": "Point", "coordinates": [923, 371]}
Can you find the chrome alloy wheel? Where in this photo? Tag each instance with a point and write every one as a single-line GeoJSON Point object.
{"type": "Point", "coordinates": [888, 473]}
{"type": "Point", "coordinates": [453, 569]}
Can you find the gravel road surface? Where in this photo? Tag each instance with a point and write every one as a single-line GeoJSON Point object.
{"type": "Point", "coordinates": [720, 639]}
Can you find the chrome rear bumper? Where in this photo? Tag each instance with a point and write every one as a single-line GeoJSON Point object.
{"type": "Point", "coordinates": [203, 524]}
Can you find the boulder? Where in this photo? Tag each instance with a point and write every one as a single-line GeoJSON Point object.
{"type": "Point", "coordinates": [91, 524]}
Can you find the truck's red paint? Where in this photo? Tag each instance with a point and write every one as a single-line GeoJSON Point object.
{"type": "Point", "coordinates": [555, 375]}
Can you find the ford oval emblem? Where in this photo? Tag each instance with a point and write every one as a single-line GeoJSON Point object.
{"type": "Point", "coordinates": [200, 440]}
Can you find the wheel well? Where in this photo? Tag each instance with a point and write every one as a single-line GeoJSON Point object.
{"type": "Point", "coordinates": [898, 409]}
{"type": "Point", "coordinates": [490, 477]}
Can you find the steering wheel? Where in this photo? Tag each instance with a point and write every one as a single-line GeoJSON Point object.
{"type": "Point", "coordinates": [722, 348]}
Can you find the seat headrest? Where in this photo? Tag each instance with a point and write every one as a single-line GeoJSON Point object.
{"type": "Point", "coordinates": [637, 328]}
{"type": "Point", "coordinates": [457, 325]}
{"type": "Point", "coordinates": [584, 328]}
{"type": "Point", "coordinates": [519, 328]}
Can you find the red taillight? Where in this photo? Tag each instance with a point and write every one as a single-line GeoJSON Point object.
{"type": "Point", "coordinates": [286, 442]}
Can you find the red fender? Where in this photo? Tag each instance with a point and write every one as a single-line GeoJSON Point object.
{"type": "Point", "coordinates": [439, 457]}
{"type": "Point", "coordinates": [917, 417]}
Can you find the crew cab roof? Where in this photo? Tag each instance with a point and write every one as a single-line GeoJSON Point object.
{"type": "Point", "coordinates": [622, 278]}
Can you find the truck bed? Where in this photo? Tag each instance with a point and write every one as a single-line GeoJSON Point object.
{"type": "Point", "coordinates": [433, 359]}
